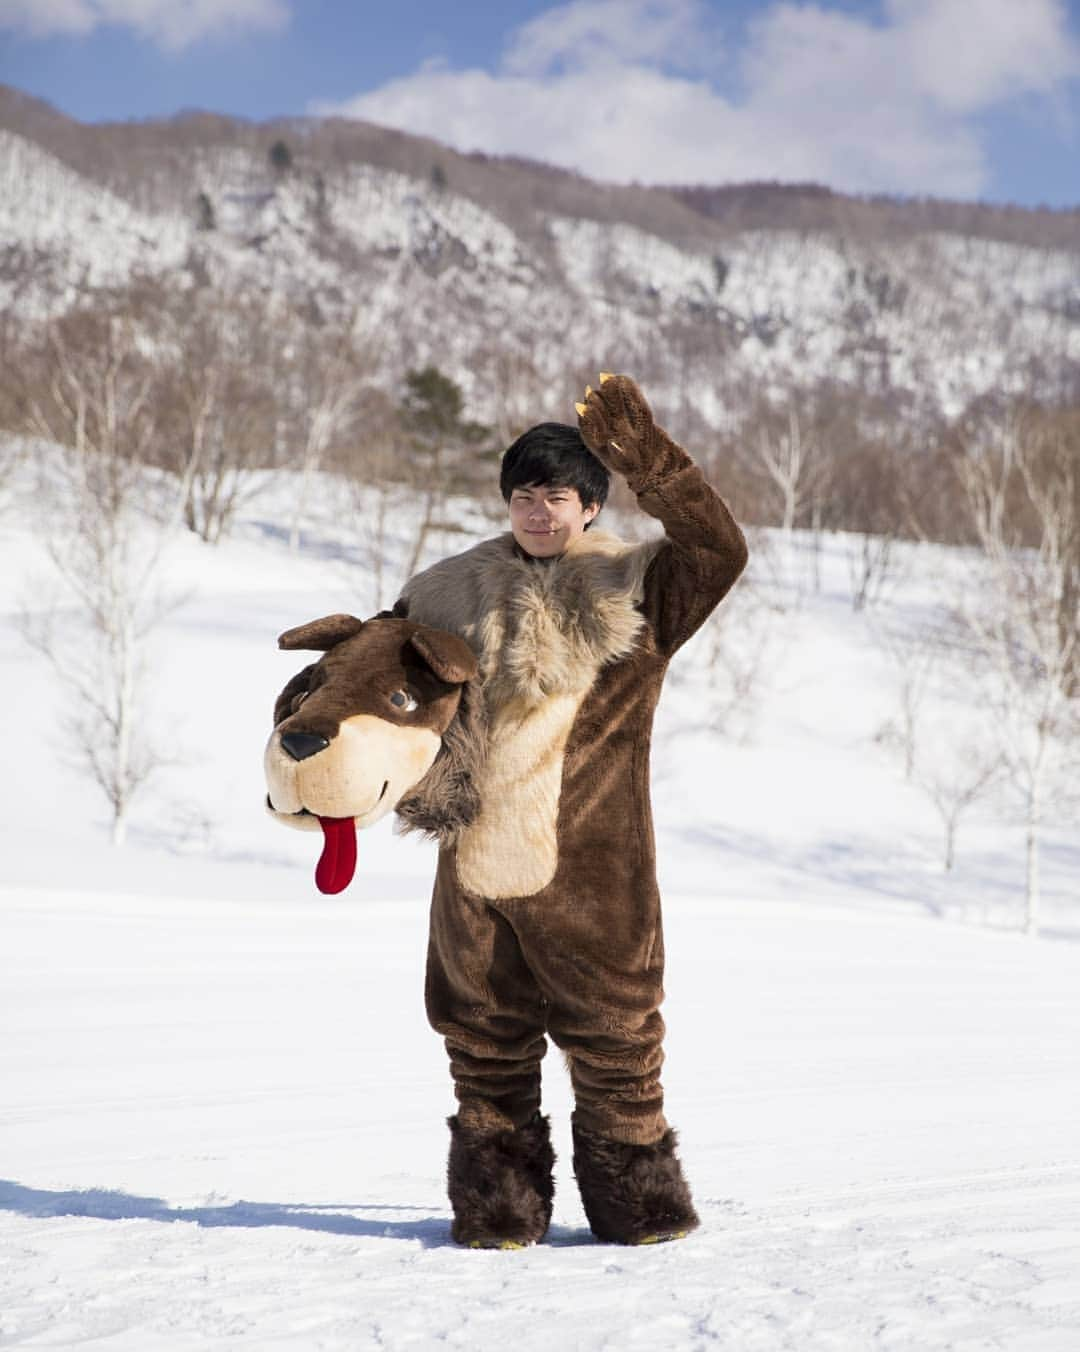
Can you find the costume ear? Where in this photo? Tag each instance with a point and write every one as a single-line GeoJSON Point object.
{"type": "Point", "coordinates": [319, 635]}
{"type": "Point", "coordinates": [449, 657]}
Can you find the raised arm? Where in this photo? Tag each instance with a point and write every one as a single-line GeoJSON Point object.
{"type": "Point", "coordinates": [705, 550]}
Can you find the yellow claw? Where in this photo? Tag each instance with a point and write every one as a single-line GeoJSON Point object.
{"type": "Point", "coordinates": [604, 375]}
{"type": "Point", "coordinates": [588, 391]}
{"type": "Point", "coordinates": [582, 410]}
{"type": "Point", "coordinates": [663, 1238]}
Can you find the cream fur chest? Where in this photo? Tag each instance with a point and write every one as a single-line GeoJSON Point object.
{"type": "Point", "coordinates": [542, 630]}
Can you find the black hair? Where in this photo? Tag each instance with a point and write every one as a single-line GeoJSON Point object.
{"type": "Point", "coordinates": [554, 454]}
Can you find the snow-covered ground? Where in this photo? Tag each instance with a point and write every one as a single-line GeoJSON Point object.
{"type": "Point", "coordinates": [221, 1121]}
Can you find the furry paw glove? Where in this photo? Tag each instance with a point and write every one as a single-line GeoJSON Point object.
{"type": "Point", "coordinates": [617, 425]}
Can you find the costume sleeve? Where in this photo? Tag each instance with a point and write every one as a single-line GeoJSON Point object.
{"type": "Point", "coordinates": [704, 550]}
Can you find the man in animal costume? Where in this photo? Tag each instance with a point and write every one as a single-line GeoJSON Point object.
{"type": "Point", "coordinates": [545, 917]}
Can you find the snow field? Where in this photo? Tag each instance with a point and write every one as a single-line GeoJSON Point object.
{"type": "Point", "coordinates": [221, 1122]}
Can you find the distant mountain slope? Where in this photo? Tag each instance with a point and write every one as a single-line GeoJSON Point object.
{"type": "Point", "coordinates": [711, 295]}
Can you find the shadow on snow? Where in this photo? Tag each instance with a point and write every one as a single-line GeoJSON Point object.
{"type": "Point", "coordinates": [106, 1205]}
{"type": "Point", "coordinates": [984, 894]}
{"type": "Point", "coordinates": [431, 1232]}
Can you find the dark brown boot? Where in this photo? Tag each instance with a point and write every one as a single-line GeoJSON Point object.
{"type": "Point", "coordinates": [500, 1184]}
{"type": "Point", "coordinates": [633, 1194]}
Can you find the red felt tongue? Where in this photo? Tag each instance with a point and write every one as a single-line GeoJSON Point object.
{"type": "Point", "coordinates": [337, 863]}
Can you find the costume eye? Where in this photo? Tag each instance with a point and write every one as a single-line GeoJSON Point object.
{"type": "Point", "coordinates": [299, 699]}
{"type": "Point", "coordinates": [403, 701]}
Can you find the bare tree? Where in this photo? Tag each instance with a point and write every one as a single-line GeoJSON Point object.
{"type": "Point", "coordinates": [871, 496]}
{"type": "Point", "coordinates": [220, 401]}
{"type": "Point", "coordinates": [12, 421]}
{"type": "Point", "coordinates": [954, 776]}
{"type": "Point", "coordinates": [513, 394]}
{"type": "Point", "coordinates": [1024, 520]}
{"type": "Point", "coordinates": [739, 642]}
{"type": "Point", "coordinates": [372, 509]}
{"type": "Point", "coordinates": [913, 657]}
{"type": "Point", "coordinates": [12, 455]}
{"type": "Point", "coordinates": [870, 567]}
{"type": "Point", "coordinates": [789, 461]}
{"type": "Point", "coordinates": [90, 386]}
{"type": "Point", "coordinates": [95, 399]}
{"type": "Point", "coordinates": [952, 757]}
{"type": "Point", "coordinates": [330, 378]}
{"type": "Point", "coordinates": [371, 460]}
{"type": "Point", "coordinates": [1053, 457]}
{"type": "Point", "coordinates": [99, 654]}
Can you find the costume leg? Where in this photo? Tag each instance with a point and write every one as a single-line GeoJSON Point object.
{"type": "Point", "coordinates": [484, 1000]}
{"type": "Point", "coordinates": [605, 984]}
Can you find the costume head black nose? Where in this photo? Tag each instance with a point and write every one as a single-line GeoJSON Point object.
{"type": "Point", "coordinates": [301, 745]}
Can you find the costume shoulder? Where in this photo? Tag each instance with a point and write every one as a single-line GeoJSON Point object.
{"type": "Point", "coordinates": [594, 593]}
{"type": "Point", "coordinates": [449, 594]}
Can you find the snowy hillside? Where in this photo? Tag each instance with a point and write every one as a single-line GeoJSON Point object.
{"type": "Point", "coordinates": [430, 268]}
{"type": "Point", "coordinates": [222, 1117]}
{"type": "Point", "coordinates": [93, 239]}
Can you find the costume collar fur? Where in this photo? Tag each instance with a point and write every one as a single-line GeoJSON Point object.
{"type": "Point", "coordinates": [539, 627]}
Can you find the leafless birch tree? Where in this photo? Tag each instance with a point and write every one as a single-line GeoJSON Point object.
{"type": "Point", "coordinates": [221, 401]}
{"type": "Point", "coordinates": [1025, 618]}
{"type": "Point", "coordinates": [789, 461]}
{"type": "Point", "coordinates": [954, 777]}
{"type": "Point", "coordinates": [330, 377]}
{"type": "Point", "coordinates": [94, 397]}
{"type": "Point", "coordinates": [912, 657]}
{"type": "Point", "coordinates": [741, 651]}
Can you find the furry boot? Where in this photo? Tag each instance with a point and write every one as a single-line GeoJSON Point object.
{"type": "Point", "coordinates": [633, 1194]}
{"type": "Point", "coordinates": [500, 1184]}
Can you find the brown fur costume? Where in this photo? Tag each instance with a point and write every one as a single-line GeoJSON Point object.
{"type": "Point", "coordinates": [546, 916]}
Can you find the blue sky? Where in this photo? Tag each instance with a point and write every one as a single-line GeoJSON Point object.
{"type": "Point", "coordinates": [957, 98]}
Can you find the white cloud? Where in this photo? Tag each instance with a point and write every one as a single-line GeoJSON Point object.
{"type": "Point", "coordinates": [968, 56]}
{"type": "Point", "coordinates": [631, 89]}
{"type": "Point", "coordinates": [646, 119]}
{"type": "Point", "coordinates": [171, 24]}
{"type": "Point", "coordinates": [834, 99]}
{"type": "Point", "coordinates": [587, 34]}
{"type": "Point", "coordinates": [39, 18]}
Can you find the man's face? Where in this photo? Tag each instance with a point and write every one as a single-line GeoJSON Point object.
{"type": "Point", "coordinates": [546, 519]}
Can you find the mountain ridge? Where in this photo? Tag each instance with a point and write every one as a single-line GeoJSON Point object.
{"type": "Point", "coordinates": [713, 295]}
